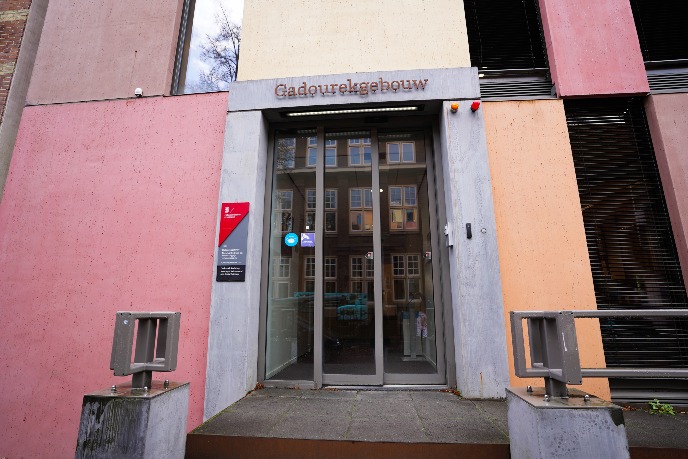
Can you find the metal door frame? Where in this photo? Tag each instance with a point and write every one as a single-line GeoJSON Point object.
{"type": "Point", "coordinates": [440, 288]}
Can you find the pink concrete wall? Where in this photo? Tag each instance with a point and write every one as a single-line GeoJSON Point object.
{"type": "Point", "coordinates": [543, 254]}
{"type": "Point", "coordinates": [593, 47]}
{"type": "Point", "coordinates": [108, 206]}
{"type": "Point", "coordinates": [101, 49]}
{"type": "Point", "coordinates": [667, 116]}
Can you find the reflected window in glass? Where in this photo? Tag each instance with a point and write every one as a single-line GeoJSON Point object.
{"type": "Point", "coordinates": [408, 150]}
{"type": "Point", "coordinates": [330, 153]}
{"type": "Point", "coordinates": [312, 154]}
{"type": "Point", "coordinates": [393, 155]}
{"type": "Point", "coordinates": [359, 152]}
{"type": "Point", "coordinates": [286, 153]}
{"type": "Point", "coordinates": [283, 207]}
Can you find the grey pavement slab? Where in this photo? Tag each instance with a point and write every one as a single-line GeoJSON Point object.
{"type": "Point", "coordinates": [277, 392]}
{"type": "Point", "coordinates": [447, 409]}
{"type": "Point", "coordinates": [360, 415]}
{"type": "Point", "coordinates": [330, 394]}
{"type": "Point", "coordinates": [320, 407]}
{"type": "Point", "coordinates": [475, 430]}
{"type": "Point", "coordinates": [402, 430]}
{"type": "Point", "coordinates": [378, 408]}
{"type": "Point", "coordinates": [319, 428]}
{"type": "Point", "coordinates": [654, 430]}
{"type": "Point", "coordinates": [421, 416]}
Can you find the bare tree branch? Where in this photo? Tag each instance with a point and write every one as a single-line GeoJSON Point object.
{"type": "Point", "coordinates": [221, 52]}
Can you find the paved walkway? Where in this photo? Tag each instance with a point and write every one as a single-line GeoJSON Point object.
{"type": "Point", "coordinates": [402, 416]}
{"type": "Point", "coordinates": [389, 416]}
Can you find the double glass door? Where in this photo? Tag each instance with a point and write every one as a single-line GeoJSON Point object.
{"type": "Point", "coordinates": [352, 281]}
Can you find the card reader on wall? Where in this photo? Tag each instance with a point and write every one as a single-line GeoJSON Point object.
{"type": "Point", "coordinates": [449, 235]}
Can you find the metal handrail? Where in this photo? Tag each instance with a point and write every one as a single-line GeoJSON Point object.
{"type": "Point", "coordinates": [554, 348]}
{"type": "Point", "coordinates": [157, 343]}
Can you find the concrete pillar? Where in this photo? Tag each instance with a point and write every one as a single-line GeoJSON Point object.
{"type": "Point", "coordinates": [564, 427]}
{"type": "Point", "coordinates": [133, 423]}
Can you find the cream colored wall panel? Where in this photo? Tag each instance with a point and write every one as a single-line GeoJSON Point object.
{"type": "Point", "coordinates": [309, 37]}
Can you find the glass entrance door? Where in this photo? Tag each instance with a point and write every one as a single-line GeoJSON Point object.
{"type": "Point", "coordinates": [351, 314]}
{"type": "Point", "coordinates": [408, 224]}
{"type": "Point", "coordinates": [351, 291]}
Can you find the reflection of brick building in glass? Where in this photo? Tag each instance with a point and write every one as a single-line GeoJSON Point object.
{"type": "Point", "coordinates": [348, 261]}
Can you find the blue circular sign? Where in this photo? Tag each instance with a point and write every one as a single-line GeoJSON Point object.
{"type": "Point", "coordinates": [291, 239]}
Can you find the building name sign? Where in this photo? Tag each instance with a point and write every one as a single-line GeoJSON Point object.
{"type": "Point", "coordinates": [361, 88]}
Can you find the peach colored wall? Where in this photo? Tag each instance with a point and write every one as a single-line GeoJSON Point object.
{"type": "Point", "coordinates": [321, 37]}
{"type": "Point", "coordinates": [99, 49]}
{"type": "Point", "coordinates": [667, 116]}
{"type": "Point", "coordinates": [593, 47]}
{"type": "Point", "coordinates": [108, 206]}
{"type": "Point", "coordinates": [543, 254]}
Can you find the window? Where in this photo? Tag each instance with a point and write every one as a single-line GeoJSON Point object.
{"type": "Point", "coordinates": [330, 271]}
{"type": "Point", "coordinates": [403, 208]}
{"type": "Point", "coordinates": [506, 43]}
{"type": "Point", "coordinates": [281, 272]}
{"type": "Point", "coordinates": [330, 274]}
{"type": "Point", "coordinates": [309, 275]}
{"type": "Point", "coordinates": [504, 34]}
{"type": "Point", "coordinates": [663, 39]}
{"type": "Point", "coordinates": [361, 209]}
{"type": "Point", "coordinates": [286, 153]}
{"type": "Point", "coordinates": [406, 274]}
{"type": "Point", "coordinates": [330, 153]}
{"type": "Point", "coordinates": [208, 47]}
{"type": "Point", "coordinates": [283, 206]}
{"type": "Point", "coordinates": [359, 152]}
{"type": "Point", "coordinates": [330, 210]}
{"type": "Point", "coordinates": [310, 209]}
{"type": "Point", "coordinates": [661, 29]}
{"type": "Point", "coordinates": [312, 155]}
{"type": "Point", "coordinates": [633, 256]}
{"type": "Point", "coordinates": [281, 267]}
{"type": "Point", "coordinates": [362, 277]}
{"type": "Point", "coordinates": [401, 152]}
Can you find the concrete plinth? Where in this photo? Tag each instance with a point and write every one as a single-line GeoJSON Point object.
{"type": "Point", "coordinates": [131, 423]}
{"type": "Point", "coordinates": [570, 428]}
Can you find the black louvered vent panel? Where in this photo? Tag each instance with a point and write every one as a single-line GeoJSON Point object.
{"type": "Point", "coordinates": [516, 88]}
{"type": "Point", "coordinates": [631, 245]}
{"type": "Point", "coordinates": [504, 34]}
{"type": "Point", "coordinates": [661, 26]}
{"type": "Point", "coordinates": [668, 81]}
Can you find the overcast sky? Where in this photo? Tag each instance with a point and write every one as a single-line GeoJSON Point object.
{"type": "Point", "coordinates": [204, 23]}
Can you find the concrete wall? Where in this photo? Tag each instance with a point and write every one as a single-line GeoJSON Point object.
{"type": "Point", "coordinates": [667, 116]}
{"type": "Point", "coordinates": [108, 206]}
{"type": "Point", "coordinates": [20, 78]}
{"type": "Point", "coordinates": [543, 253]}
{"type": "Point", "coordinates": [593, 47]}
{"type": "Point", "coordinates": [101, 49]}
{"type": "Point", "coordinates": [310, 37]}
{"type": "Point", "coordinates": [234, 310]}
{"type": "Point", "coordinates": [13, 18]}
{"type": "Point", "coordinates": [479, 339]}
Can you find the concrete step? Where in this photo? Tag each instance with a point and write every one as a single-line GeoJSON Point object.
{"type": "Point", "coordinates": [289, 423]}
{"type": "Point", "coordinates": [213, 446]}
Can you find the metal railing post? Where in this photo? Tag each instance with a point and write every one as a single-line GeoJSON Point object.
{"type": "Point", "coordinates": [554, 353]}
{"type": "Point", "coordinates": [150, 354]}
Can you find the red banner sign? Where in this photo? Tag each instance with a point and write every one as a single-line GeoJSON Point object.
{"type": "Point", "coordinates": [231, 215]}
